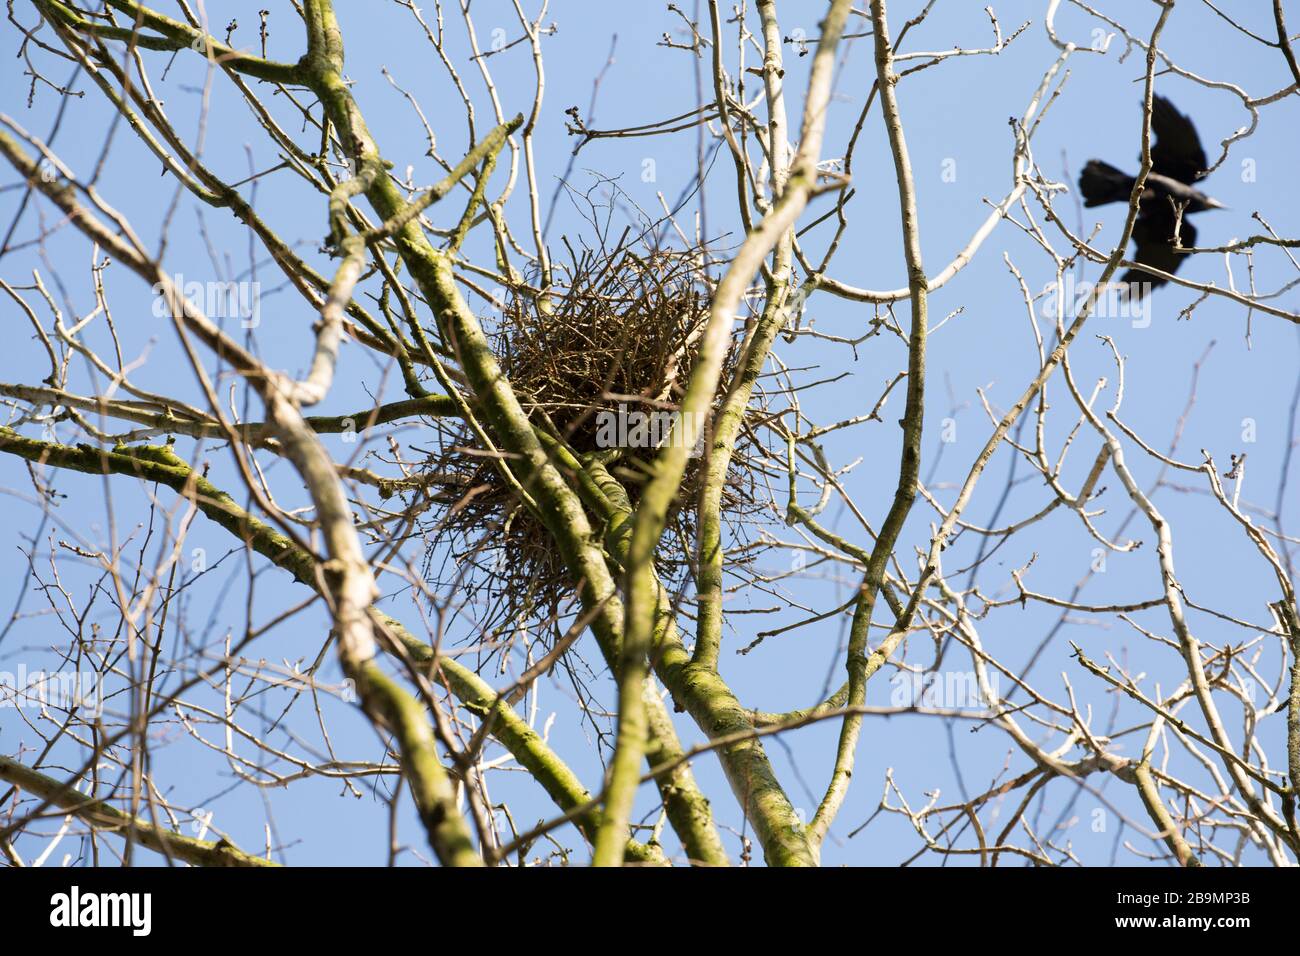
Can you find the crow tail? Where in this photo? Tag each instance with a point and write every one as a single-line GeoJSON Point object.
{"type": "Point", "coordinates": [1101, 183]}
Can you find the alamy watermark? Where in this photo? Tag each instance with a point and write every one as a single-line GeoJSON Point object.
{"type": "Point", "coordinates": [1115, 300]}
{"type": "Point", "coordinates": [946, 690]}
{"type": "Point", "coordinates": [57, 690]}
{"type": "Point", "coordinates": [75, 908]}
{"type": "Point", "coordinates": [228, 299]}
{"type": "Point", "coordinates": [633, 428]}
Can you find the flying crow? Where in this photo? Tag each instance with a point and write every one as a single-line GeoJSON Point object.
{"type": "Point", "coordinates": [1177, 161]}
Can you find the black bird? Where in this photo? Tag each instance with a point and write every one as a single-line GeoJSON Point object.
{"type": "Point", "coordinates": [1177, 161]}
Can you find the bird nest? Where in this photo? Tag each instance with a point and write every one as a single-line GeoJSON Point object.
{"type": "Point", "coordinates": [599, 363]}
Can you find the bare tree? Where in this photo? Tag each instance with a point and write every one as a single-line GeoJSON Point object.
{"type": "Point", "coordinates": [605, 465]}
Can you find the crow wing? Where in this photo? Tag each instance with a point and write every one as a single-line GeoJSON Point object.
{"type": "Point", "coordinates": [1154, 234]}
{"type": "Point", "coordinates": [1177, 152]}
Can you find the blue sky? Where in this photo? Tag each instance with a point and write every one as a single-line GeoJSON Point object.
{"type": "Point", "coordinates": [955, 117]}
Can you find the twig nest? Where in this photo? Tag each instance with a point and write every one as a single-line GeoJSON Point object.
{"type": "Point", "coordinates": [599, 363]}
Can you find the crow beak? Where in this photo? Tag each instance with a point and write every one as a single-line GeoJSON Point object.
{"type": "Point", "coordinates": [1214, 204]}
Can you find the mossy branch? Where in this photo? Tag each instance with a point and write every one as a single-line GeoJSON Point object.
{"type": "Point", "coordinates": [175, 35]}
{"type": "Point", "coordinates": [103, 817]}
